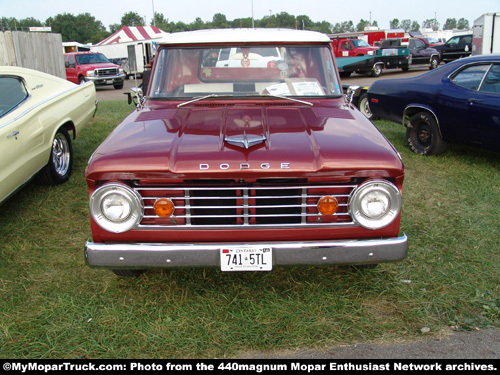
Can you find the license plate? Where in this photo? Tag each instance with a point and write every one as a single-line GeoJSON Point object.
{"type": "Point", "coordinates": [247, 258]}
{"type": "Point", "coordinates": [109, 82]}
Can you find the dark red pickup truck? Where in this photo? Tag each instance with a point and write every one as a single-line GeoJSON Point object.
{"type": "Point", "coordinates": [244, 167]}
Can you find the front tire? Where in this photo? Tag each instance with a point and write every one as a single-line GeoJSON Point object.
{"type": "Point", "coordinates": [434, 63]}
{"type": "Point", "coordinates": [60, 165]}
{"type": "Point", "coordinates": [118, 86]}
{"type": "Point", "coordinates": [364, 106]}
{"type": "Point", "coordinates": [377, 70]}
{"type": "Point", "coordinates": [423, 135]}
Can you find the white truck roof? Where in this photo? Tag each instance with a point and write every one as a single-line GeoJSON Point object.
{"type": "Point", "coordinates": [244, 36]}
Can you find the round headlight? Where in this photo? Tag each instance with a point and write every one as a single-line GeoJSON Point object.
{"type": "Point", "coordinates": [116, 207]}
{"type": "Point", "coordinates": [375, 204]}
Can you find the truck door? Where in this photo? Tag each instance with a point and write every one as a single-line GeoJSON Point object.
{"type": "Point", "coordinates": [345, 48]}
{"type": "Point", "coordinates": [71, 71]}
{"type": "Point", "coordinates": [418, 52]}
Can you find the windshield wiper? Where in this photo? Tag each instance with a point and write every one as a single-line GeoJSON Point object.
{"type": "Point", "coordinates": [198, 99]}
{"type": "Point", "coordinates": [287, 98]}
{"type": "Point", "coordinates": [219, 96]}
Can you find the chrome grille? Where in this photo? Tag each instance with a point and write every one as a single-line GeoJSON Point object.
{"type": "Point", "coordinates": [252, 206]}
{"type": "Point", "coordinates": [106, 72]}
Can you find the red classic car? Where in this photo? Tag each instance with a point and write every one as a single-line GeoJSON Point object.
{"type": "Point", "coordinates": [244, 166]}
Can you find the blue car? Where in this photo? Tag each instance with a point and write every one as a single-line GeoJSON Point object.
{"type": "Point", "coordinates": [456, 103]}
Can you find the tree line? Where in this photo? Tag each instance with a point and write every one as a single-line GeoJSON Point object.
{"type": "Point", "coordinates": [85, 28]}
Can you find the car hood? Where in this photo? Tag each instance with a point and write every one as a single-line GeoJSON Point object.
{"type": "Point", "coordinates": [226, 141]}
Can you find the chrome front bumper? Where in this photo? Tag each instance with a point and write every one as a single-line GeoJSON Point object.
{"type": "Point", "coordinates": [96, 79]}
{"type": "Point", "coordinates": [159, 255]}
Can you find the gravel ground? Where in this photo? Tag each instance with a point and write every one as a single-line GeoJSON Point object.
{"type": "Point", "coordinates": [482, 344]}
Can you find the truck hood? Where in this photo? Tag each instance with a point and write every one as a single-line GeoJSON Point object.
{"type": "Point", "coordinates": [99, 66]}
{"type": "Point", "coordinates": [217, 141]}
{"type": "Point", "coordinates": [368, 49]}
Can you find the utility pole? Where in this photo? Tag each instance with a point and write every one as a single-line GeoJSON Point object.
{"type": "Point", "coordinates": [253, 24]}
{"type": "Point", "coordinates": [154, 17]}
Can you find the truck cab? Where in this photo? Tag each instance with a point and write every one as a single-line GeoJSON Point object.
{"type": "Point", "coordinates": [456, 47]}
{"type": "Point", "coordinates": [351, 47]}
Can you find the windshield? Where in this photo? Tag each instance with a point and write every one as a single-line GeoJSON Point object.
{"type": "Point", "coordinates": [91, 58]}
{"type": "Point", "coordinates": [359, 43]}
{"type": "Point", "coordinates": [244, 71]}
{"type": "Point", "coordinates": [431, 40]}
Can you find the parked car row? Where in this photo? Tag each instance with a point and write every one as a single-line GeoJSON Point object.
{"type": "Point", "coordinates": [426, 51]}
{"type": "Point", "coordinates": [395, 53]}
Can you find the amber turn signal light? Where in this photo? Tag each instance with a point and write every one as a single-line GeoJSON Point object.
{"type": "Point", "coordinates": [164, 207]}
{"type": "Point", "coordinates": [327, 205]}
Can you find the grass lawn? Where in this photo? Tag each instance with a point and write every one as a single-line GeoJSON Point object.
{"type": "Point", "coordinates": [53, 306]}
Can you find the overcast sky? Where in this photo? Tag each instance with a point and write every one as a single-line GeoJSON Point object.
{"type": "Point", "coordinates": [383, 11]}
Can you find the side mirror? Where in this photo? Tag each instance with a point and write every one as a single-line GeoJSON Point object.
{"type": "Point", "coordinates": [352, 92]}
{"type": "Point", "coordinates": [135, 96]}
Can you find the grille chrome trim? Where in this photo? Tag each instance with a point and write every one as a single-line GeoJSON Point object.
{"type": "Point", "coordinates": [106, 72]}
{"type": "Point", "coordinates": [259, 206]}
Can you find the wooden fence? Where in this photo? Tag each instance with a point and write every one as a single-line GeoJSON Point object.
{"type": "Point", "coordinates": [38, 51]}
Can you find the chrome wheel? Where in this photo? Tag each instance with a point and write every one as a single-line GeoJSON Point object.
{"type": "Point", "coordinates": [61, 154]}
{"type": "Point", "coordinates": [376, 71]}
{"type": "Point", "coordinates": [364, 106]}
{"type": "Point", "coordinates": [434, 63]}
{"type": "Point", "coordinates": [60, 163]}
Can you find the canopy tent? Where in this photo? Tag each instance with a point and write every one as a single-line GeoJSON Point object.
{"type": "Point", "coordinates": [128, 34]}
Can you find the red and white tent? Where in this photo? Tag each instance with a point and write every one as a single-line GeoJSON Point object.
{"type": "Point", "coordinates": [128, 34]}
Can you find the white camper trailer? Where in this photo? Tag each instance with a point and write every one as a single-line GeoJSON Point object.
{"type": "Point", "coordinates": [132, 47]}
{"type": "Point", "coordinates": [486, 34]}
{"type": "Point", "coordinates": [134, 58]}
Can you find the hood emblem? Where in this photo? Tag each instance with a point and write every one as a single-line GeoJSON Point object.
{"type": "Point", "coordinates": [245, 141]}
